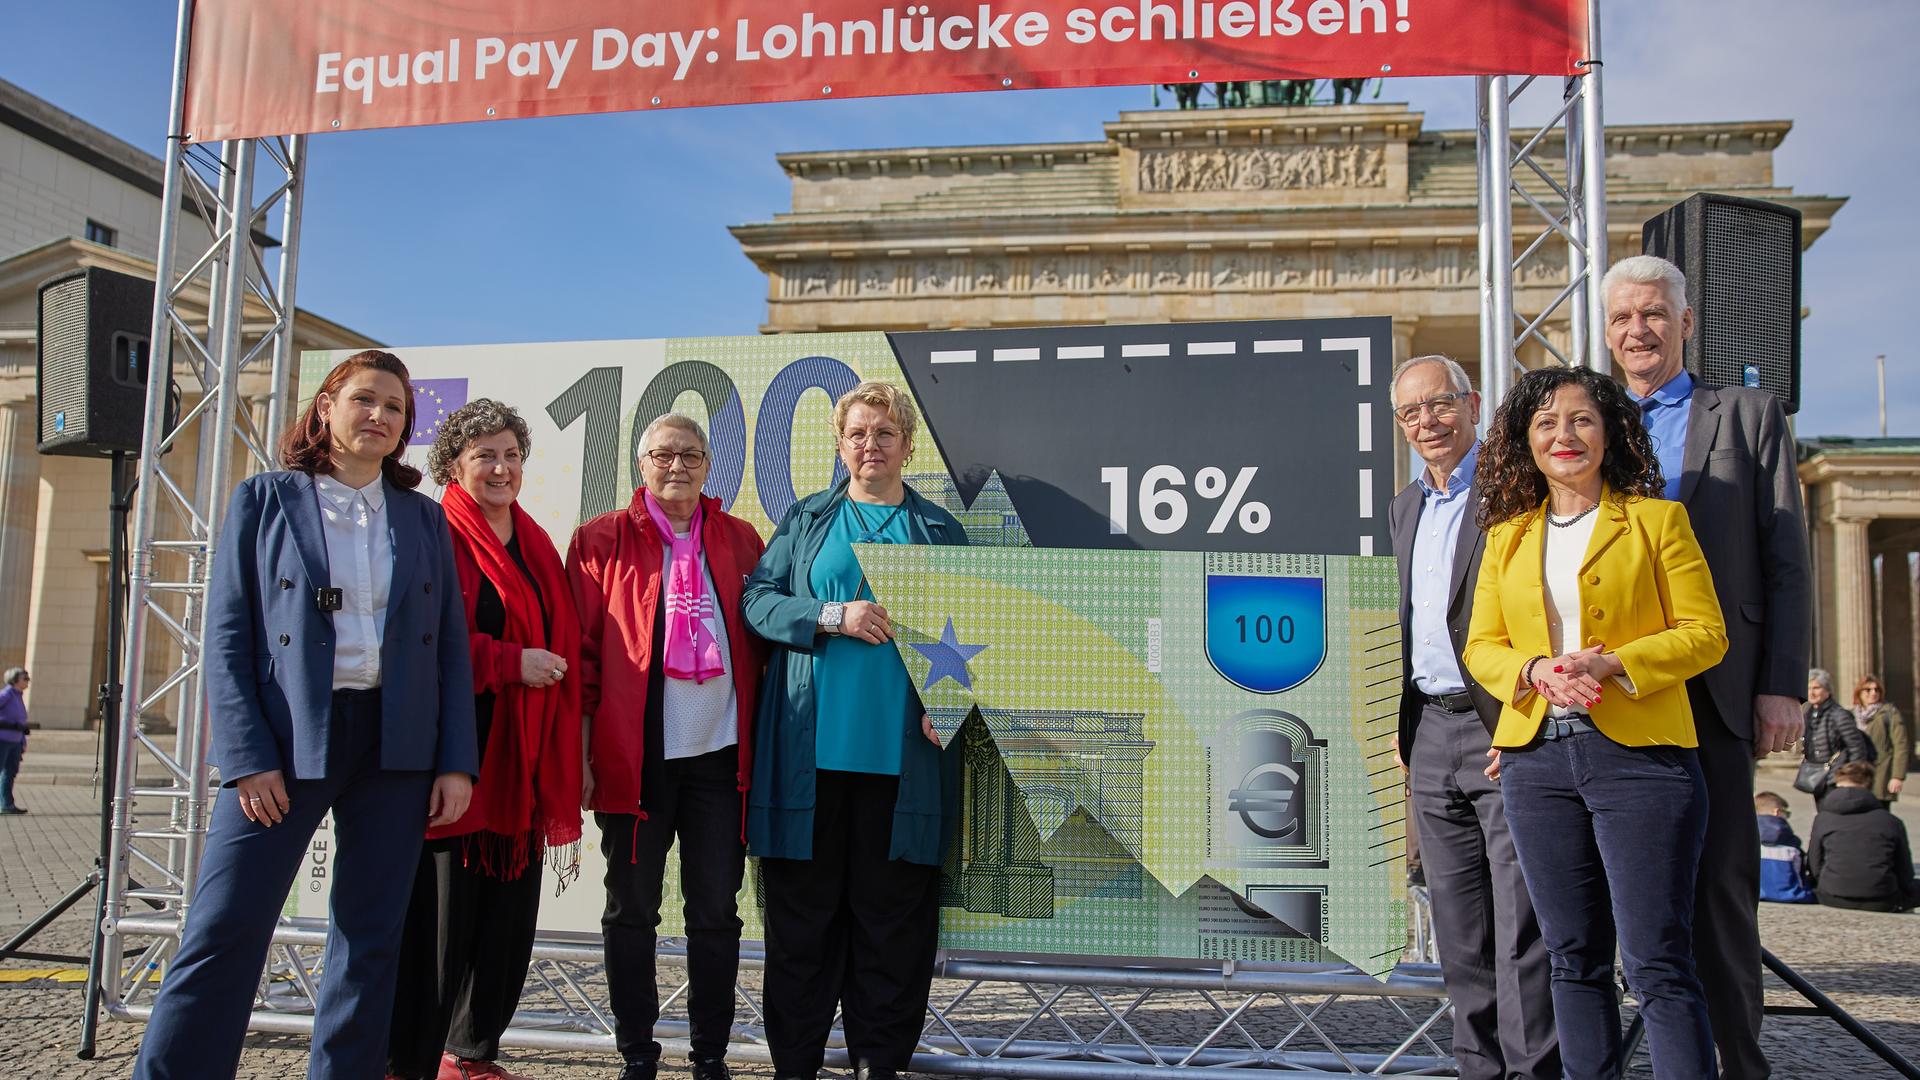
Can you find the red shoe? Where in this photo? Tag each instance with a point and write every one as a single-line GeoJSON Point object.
{"type": "Point", "coordinates": [455, 1068]}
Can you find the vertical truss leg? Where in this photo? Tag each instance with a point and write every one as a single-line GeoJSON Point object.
{"type": "Point", "coordinates": [181, 496]}
{"type": "Point", "coordinates": [1562, 206]}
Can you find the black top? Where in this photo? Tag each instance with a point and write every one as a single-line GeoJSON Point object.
{"type": "Point", "coordinates": [490, 618]}
{"type": "Point", "coordinates": [1858, 851]}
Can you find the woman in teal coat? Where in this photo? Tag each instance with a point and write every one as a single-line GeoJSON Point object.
{"type": "Point", "coordinates": [850, 789]}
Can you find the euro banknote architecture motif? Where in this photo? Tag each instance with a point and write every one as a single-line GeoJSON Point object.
{"type": "Point", "coordinates": [1166, 754]}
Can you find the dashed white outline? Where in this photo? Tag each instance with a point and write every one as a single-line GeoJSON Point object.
{"type": "Point", "coordinates": [1279, 345]}
{"type": "Point", "coordinates": [1005, 355]}
{"type": "Point", "coordinates": [1366, 544]}
{"type": "Point", "coordinates": [1366, 427]}
{"type": "Point", "coordinates": [952, 356]}
{"type": "Point", "coordinates": [1361, 347]}
{"type": "Point", "coordinates": [1081, 352]}
{"type": "Point", "coordinates": [1146, 349]}
{"type": "Point", "coordinates": [1366, 493]}
{"type": "Point", "coordinates": [1210, 348]}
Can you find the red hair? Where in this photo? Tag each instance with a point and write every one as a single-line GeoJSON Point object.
{"type": "Point", "coordinates": [307, 446]}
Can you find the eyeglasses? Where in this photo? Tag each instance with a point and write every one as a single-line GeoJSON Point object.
{"type": "Point", "coordinates": [1443, 408]}
{"type": "Point", "coordinates": [688, 459]}
{"type": "Point", "coordinates": [884, 438]}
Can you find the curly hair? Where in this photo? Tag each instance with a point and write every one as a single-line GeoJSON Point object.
{"type": "Point", "coordinates": [1509, 481]}
{"type": "Point", "coordinates": [307, 445]}
{"type": "Point", "coordinates": [477, 419]}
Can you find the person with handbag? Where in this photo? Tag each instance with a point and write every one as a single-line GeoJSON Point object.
{"type": "Point", "coordinates": [1833, 738]}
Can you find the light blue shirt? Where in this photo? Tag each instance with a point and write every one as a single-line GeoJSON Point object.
{"type": "Point", "coordinates": [862, 698]}
{"type": "Point", "coordinates": [1667, 411]}
{"type": "Point", "coordinates": [1436, 670]}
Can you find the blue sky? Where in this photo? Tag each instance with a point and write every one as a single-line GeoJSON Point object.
{"type": "Point", "coordinates": [615, 226]}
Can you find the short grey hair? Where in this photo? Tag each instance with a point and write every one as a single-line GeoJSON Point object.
{"type": "Point", "coordinates": [477, 419]}
{"type": "Point", "coordinates": [673, 420]}
{"type": "Point", "coordinates": [15, 674]}
{"type": "Point", "coordinates": [1823, 677]}
{"type": "Point", "coordinates": [1648, 270]}
{"type": "Point", "coordinates": [1456, 375]}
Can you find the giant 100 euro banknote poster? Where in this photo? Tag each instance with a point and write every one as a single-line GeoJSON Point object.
{"type": "Point", "coordinates": [1173, 659]}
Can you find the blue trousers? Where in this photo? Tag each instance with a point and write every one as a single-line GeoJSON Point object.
{"type": "Point", "coordinates": [1609, 840]}
{"type": "Point", "coordinates": [10, 753]}
{"type": "Point", "coordinates": [379, 819]}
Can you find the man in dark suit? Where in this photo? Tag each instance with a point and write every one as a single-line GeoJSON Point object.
{"type": "Point", "coordinates": [1491, 955]}
{"type": "Point", "coordinates": [1727, 454]}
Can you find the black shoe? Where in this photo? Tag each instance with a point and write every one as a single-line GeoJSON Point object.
{"type": "Point", "coordinates": [709, 1068]}
{"type": "Point", "coordinates": [867, 1071]}
{"type": "Point", "coordinates": [640, 1070]}
{"type": "Point", "coordinates": [14, 810]}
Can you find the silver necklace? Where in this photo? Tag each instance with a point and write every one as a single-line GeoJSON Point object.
{"type": "Point", "coordinates": [1559, 523]}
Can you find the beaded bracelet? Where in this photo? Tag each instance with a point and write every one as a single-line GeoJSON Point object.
{"type": "Point", "coordinates": [1526, 673]}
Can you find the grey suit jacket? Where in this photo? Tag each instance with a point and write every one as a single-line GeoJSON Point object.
{"type": "Point", "coordinates": [1742, 491]}
{"type": "Point", "coordinates": [1403, 518]}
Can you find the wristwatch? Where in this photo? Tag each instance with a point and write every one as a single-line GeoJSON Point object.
{"type": "Point", "coordinates": [832, 614]}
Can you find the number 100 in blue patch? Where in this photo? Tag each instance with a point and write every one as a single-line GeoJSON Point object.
{"type": "Point", "coordinates": [1266, 634]}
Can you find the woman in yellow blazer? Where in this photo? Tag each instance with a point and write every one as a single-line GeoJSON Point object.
{"type": "Point", "coordinates": [1593, 608]}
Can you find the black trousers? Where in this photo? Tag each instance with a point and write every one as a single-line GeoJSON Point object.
{"type": "Point", "coordinates": [697, 800]}
{"type": "Point", "coordinates": [463, 961]}
{"type": "Point", "coordinates": [1492, 957]}
{"type": "Point", "coordinates": [1726, 898]}
{"type": "Point", "coordinates": [849, 927]}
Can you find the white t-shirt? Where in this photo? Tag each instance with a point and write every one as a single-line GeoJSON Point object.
{"type": "Point", "coordinates": [1562, 553]}
{"type": "Point", "coordinates": [699, 717]}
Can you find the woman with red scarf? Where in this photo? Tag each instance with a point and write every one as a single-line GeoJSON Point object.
{"type": "Point", "coordinates": [469, 931]}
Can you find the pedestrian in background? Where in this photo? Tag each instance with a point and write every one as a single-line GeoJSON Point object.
{"type": "Point", "coordinates": [1887, 731]}
{"type": "Point", "coordinates": [13, 736]}
{"type": "Point", "coordinates": [1833, 737]}
{"type": "Point", "coordinates": [1858, 856]}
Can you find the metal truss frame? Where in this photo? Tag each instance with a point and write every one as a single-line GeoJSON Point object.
{"type": "Point", "coordinates": [158, 831]}
{"type": "Point", "coordinates": [180, 496]}
{"type": "Point", "coordinates": [1563, 202]}
{"type": "Point", "coordinates": [991, 1017]}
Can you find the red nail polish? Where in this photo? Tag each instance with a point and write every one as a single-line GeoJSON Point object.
{"type": "Point", "coordinates": [1557, 667]}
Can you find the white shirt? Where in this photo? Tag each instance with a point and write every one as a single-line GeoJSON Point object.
{"type": "Point", "coordinates": [1563, 552]}
{"type": "Point", "coordinates": [699, 717]}
{"type": "Point", "coordinates": [360, 564]}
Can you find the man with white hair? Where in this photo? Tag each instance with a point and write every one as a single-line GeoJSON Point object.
{"type": "Point", "coordinates": [1727, 454]}
{"type": "Point", "coordinates": [1492, 957]}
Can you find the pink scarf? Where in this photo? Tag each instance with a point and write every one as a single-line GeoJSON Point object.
{"type": "Point", "coordinates": [691, 652]}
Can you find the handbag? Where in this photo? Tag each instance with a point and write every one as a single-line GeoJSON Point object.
{"type": "Point", "coordinates": [1815, 777]}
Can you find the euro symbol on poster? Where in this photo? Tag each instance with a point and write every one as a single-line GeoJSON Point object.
{"type": "Point", "coordinates": [1264, 633]}
{"type": "Point", "coordinates": [1265, 801]}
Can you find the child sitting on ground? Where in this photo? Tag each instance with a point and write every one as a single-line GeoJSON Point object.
{"type": "Point", "coordinates": [1782, 862]}
{"type": "Point", "coordinates": [1858, 856]}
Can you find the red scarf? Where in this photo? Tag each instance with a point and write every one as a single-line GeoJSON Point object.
{"type": "Point", "coordinates": [529, 789]}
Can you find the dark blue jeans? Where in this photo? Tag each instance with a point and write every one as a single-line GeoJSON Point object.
{"type": "Point", "coordinates": [10, 753]}
{"type": "Point", "coordinates": [1609, 839]}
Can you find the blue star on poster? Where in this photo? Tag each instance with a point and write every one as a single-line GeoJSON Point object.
{"type": "Point", "coordinates": [947, 658]}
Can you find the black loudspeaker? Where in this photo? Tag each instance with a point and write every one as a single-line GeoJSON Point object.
{"type": "Point", "coordinates": [1742, 261]}
{"type": "Point", "coordinates": [94, 360]}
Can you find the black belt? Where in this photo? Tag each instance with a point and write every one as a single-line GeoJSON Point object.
{"type": "Point", "coordinates": [1461, 702]}
{"type": "Point", "coordinates": [1566, 727]}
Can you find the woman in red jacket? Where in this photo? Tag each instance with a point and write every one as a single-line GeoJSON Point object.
{"type": "Point", "coordinates": [669, 675]}
{"type": "Point", "coordinates": [469, 931]}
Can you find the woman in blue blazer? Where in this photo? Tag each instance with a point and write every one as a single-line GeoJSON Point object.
{"type": "Point", "coordinates": [337, 681]}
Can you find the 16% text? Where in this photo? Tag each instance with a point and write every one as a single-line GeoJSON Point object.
{"type": "Point", "coordinates": [1163, 503]}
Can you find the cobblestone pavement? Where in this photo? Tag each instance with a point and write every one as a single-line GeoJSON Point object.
{"type": "Point", "coordinates": [1869, 963]}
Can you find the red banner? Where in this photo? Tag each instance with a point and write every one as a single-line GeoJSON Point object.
{"type": "Point", "coordinates": [278, 67]}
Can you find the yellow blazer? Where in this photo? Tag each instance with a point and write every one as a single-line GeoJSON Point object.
{"type": "Point", "coordinates": [1645, 591]}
